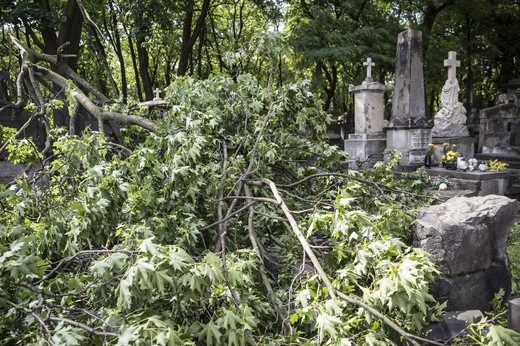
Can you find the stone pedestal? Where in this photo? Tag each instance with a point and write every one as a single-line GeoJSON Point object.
{"type": "Point", "coordinates": [365, 147]}
{"type": "Point", "coordinates": [411, 142]}
{"type": "Point", "coordinates": [365, 150]}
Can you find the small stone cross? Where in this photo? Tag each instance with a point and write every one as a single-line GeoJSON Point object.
{"type": "Point", "coordinates": [369, 65]}
{"type": "Point", "coordinates": [452, 63]}
{"type": "Point", "coordinates": [157, 92]}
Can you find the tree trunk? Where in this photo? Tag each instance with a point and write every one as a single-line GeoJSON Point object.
{"type": "Point", "coordinates": [70, 32]}
{"type": "Point", "coordinates": [144, 65]}
{"type": "Point", "coordinates": [134, 64]}
{"type": "Point", "coordinates": [189, 38]}
{"type": "Point", "coordinates": [115, 40]}
{"type": "Point", "coordinates": [67, 41]}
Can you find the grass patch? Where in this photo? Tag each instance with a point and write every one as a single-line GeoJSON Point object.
{"type": "Point", "coordinates": [513, 253]}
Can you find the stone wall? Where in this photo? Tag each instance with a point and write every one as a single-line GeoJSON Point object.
{"type": "Point", "coordinates": [500, 130]}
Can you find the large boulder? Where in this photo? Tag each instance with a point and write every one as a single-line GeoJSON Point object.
{"type": "Point", "coordinates": [467, 239]}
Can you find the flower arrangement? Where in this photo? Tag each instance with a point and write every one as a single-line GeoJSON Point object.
{"type": "Point", "coordinates": [449, 153]}
{"type": "Point", "coordinates": [430, 149]}
{"type": "Point", "coordinates": [440, 183]}
{"type": "Point", "coordinates": [428, 160]}
{"type": "Point", "coordinates": [496, 165]}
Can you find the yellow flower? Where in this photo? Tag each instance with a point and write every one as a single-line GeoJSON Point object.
{"type": "Point", "coordinates": [450, 156]}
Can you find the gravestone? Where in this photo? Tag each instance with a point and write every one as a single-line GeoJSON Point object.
{"type": "Point", "coordinates": [450, 121]}
{"type": "Point", "coordinates": [409, 131]}
{"type": "Point", "coordinates": [367, 144]}
{"type": "Point", "coordinates": [157, 103]}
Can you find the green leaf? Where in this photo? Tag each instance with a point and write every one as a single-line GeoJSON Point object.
{"type": "Point", "coordinates": [148, 246]}
{"type": "Point", "coordinates": [327, 325]}
{"type": "Point", "coordinates": [211, 333]}
{"type": "Point", "coordinates": [500, 336]}
{"type": "Point", "coordinates": [161, 277]}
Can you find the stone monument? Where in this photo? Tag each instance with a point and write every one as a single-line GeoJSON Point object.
{"type": "Point", "coordinates": [450, 121]}
{"type": "Point", "coordinates": [157, 103]}
{"type": "Point", "coordinates": [367, 144]}
{"type": "Point", "coordinates": [409, 131]}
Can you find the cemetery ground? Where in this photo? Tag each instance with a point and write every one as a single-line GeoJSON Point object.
{"type": "Point", "coordinates": [513, 250]}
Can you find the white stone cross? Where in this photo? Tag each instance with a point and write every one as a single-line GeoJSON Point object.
{"type": "Point", "coordinates": [369, 65]}
{"type": "Point", "coordinates": [157, 92]}
{"type": "Point", "coordinates": [452, 64]}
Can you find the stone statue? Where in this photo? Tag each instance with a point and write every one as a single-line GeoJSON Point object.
{"type": "Point", "coordinates": [450, 120]}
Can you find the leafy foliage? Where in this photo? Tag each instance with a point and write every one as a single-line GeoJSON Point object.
{"type": "Point", "coordinates": [107, 247]}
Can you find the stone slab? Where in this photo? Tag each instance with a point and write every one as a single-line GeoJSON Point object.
{"type": "Point", "coordinates": [9, 172]}
{"type": "Point", "coordinates": [456, 321]}
{"type": "Point", "coordinates": [488, 175]}
{"type": "Point", "coordinates": [513, 314]}
{"type": "Point", "coordinates": [482, 183]}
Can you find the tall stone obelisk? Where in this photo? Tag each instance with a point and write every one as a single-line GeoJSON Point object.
{"type": "Point", "coordinates": [409, 131]}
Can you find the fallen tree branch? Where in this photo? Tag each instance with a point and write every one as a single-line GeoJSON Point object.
{"type": "Point", "coordinates": [34, 314]}
{"type": "Point", "coordinates": [34, 56]}
{"type": "Point", "coordinates": [296, 230]}
{"type": "Point", "coordinates": [231, 215]}
{"type": "Point", "coordinates": [332, 291]}
{"type": "Point", "coordinates": [378, 186]}
{"type": "Point", "coordinates": [19, 132]}
{"type": "Point", "coordinates": [90, 107]}
{"type": "Point", "coordinates": [94, 32]}
{"type": "Point", "coordinates": [67, 260]}
{"type": "Point", "coordinates": [83, 326]}
{"type": "Point", "coordinates": [267, 284]}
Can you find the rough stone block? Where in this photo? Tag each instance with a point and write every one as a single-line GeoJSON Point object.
{"type": "Point", "coordinates": [467, 240]}
{"type": "Point", "coordinates": [456, 321]}
{"type": "Point", "coordinates": [9, 172]}
{"type": "Point", "coordinates": [451, 324]}
{"type": "Point", "coordinates": [475, 290]}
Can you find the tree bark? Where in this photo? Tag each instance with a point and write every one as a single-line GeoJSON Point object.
{"type": "Point", "coordinates": [144, 65]}
{"type": "Point", "coordinates": [189, 37]}
{"type": "Point", "coordinates": [70, 31]}
{"type": "Point", "coordinates": [134, 64]}
{"type": "Point", "coordinates": [115, 40]}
